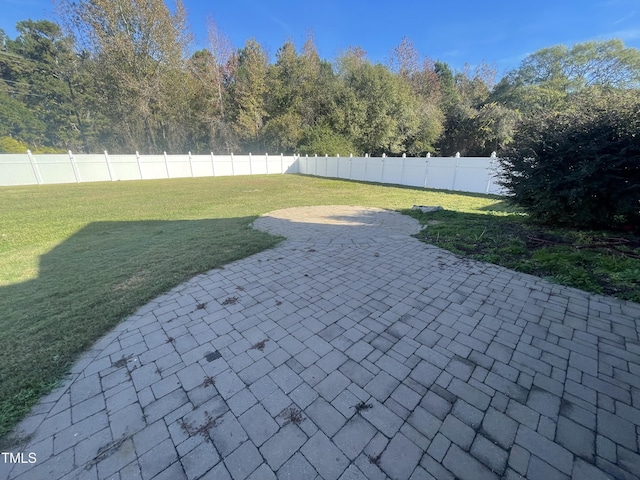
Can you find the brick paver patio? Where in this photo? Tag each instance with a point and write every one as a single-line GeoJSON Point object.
{"type": "Point", "coordinates": [351, 351]}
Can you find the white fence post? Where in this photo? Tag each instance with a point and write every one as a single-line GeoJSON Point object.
{"type": "Point", "coordinates": [382, 173]}
{"type": "Point", "coordinates": [213, 166]}
{"type": "Point", "coordinates": [455, 171]}
{"type": "Point", "coordinates": [266, 161]}
{"type": "Point", "coordinates": [190, 165]}
{"type": "Point", "coordinates": [108, 162]}
{"type": "Point", "coordinates": [34, 167]}
{"type": "Point", "coordinates": [74, 167]}
{"type": "Point", "coordinates": [166, 163]}
{"type": "Point", "coordinates": [426, 170]}
{"type": "Point", "coordinates": [250, 164]}
{"type": "Point", "coordinates": [139, 167]}
{"type": "Point", "coordinates": [365, 170]}
{"type": "Point", "coordinates": [233, 170]}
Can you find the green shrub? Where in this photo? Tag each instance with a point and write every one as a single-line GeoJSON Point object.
{"type": "Point", "coordinates": [11, 145]}
{"type": "Point", "coordinates": [322, 140]}
{"type": "Point", "coordinates": [580, 167]}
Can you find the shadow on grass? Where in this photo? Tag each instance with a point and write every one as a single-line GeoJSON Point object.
{"type": "Point", "coordinates": [503, 206]}
{"type": "Point", "coordinates": [93, 280]}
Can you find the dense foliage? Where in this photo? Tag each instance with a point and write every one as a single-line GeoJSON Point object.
{"type": "Point", "coordinates": [123, 76]}
{"type": "Point", "coordinates": [580, 167]}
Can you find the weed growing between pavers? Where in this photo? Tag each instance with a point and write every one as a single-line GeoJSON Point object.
{"type": "Point", "coordinates": [193, 430]}
{"type": "Point", "coordinates": [375, 459]}
{"type": "Point", "coordinates": [230, 301]}
{"type": "Point", "coordinates": [292, 415]}
{"type": "Point", "coordinates": [362, 406]}
{"type": "Point", "coordinates": [122, 362]}
{"type": "Point", "coordinates": [259, 345]}
{"type": "Point", "coordinates": [209, 382]}
{"type": "Point", "coordinates": [106, 451]}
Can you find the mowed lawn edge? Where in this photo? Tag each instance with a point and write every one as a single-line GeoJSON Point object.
{"type": "Point", "coordinates": [77, 259]}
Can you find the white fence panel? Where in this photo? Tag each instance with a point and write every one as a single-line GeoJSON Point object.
{"type": "Point", "coordinates": [258, 165]}
{"type": "Point", "coordinates": [152, 167]}
{"type": "Point", "coordinates": [472, 174]}
{"type": "Point", "coordinates": [303, 165]}
{"type": "Point", "coordinates": [241, 165]}
{"type": "Point", "coordinates": [321, 166]}
{"type": "Point", "coordinates": [125, 167]}
{"type": "Point", "coordinates": [55, 168]}
{"type": "Point", "coordinates": [441, 173]}
{"type": "Point", "coordinates": [274, 163]}
{"type": "Point", "coordinates": [180, 166]}
{"type": "Point", "coordinates": [392, 172]}
{"type": "Point", "coordinates": [344, 168]}
{"type": "Point", "coordinates": [373, 170]}
{"type": "Point", "coordinates": [414, 171]}
{"type": "Point", "coordinates": [16, 169]}
{"type": "Point", "coordinates": [332, 166]}
{"type": "Point", "coordinates": [201, 166]}
{"type": "Point", "coordinates": [92, 168]}
{"type": "Point", "coordinates": [223, 165]}
{"type": "Point", "coordinates": [359, 168]}
{"type": "Point", "coordinates": [312, 166]}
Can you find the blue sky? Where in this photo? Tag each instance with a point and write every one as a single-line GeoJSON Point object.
{"type": "Point", "coordinates": [500, 32]}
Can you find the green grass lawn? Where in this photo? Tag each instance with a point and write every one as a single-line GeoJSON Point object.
{"type": "Point", "coordinates": [76, 259]}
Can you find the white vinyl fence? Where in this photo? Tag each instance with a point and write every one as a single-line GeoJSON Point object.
{"type": "Point", "coordinates": [28, 169]}
{"type": "Point", "coordinates": [466, 174]}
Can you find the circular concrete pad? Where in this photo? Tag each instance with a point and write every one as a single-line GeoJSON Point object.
{"type": "Point", "coordinates": [338, 224]}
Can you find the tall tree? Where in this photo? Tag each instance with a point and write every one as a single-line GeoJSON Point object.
{"type": "Point", "coordinates": [388, 113]}
{"type": "Point", "coordinates": [548, 78]}
{"type": "Point", "coordinates": [294, 104]}
{"type": "Point", "coordinates": [248, 87]}
{"type": "Point", "coordinates": [474, 126]}
{"type": "Point", "coordinates": [421, 77]}
{"type": "Point", "coordinates": [210, 70]}
{"type": "Point", "coordinates": [39, 70]}
{"type": "Point", "coordinates": [137, 48]}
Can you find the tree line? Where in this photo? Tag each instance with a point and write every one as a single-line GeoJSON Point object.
{"type": "Point", "coordinates": [121, 76]}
